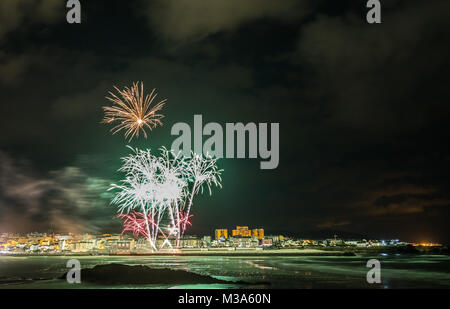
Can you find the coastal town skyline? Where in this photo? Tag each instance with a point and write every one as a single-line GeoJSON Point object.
{"type": "Point", "coordinates": [54, 243]}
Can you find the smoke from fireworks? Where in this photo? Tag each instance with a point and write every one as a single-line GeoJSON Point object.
{"type": "Point", "coordinates": [132, 112]}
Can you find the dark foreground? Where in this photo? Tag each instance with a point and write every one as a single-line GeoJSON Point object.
{"type": "Point", "coordinates": [119, 274]}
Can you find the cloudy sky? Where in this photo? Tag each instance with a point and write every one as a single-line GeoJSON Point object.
{"type": "Point", "coordinates": [363, 110]}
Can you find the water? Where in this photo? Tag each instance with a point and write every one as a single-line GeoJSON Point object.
{"type": "Point", "coordinates": [397, 271]}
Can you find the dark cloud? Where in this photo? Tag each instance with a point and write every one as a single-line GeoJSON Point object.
{"type": "Point", "coordinates": [20, 13]}
{"type": "Point", "coordinates": [191, 20]}
{"type": "Point", "coordinates": [12, 67]}
{"type": "Point", "coordinates": [376, 76]}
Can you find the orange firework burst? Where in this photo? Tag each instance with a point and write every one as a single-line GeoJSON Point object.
{"type": "Point", "coordinates": [132, 111]}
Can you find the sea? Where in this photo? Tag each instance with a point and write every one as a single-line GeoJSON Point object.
{"type": "Point", "coordinates": [398, 271]}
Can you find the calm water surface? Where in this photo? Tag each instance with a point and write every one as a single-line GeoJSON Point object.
{"type": "Point", "coordinates": [397, 271]}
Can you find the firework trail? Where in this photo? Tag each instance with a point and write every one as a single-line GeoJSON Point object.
{"type": "Point", "coordinates": [132, 111]}
{"type": "Point", "coordinates": [184, 220]}
{"type": "Point", "coordinates": [161, 187]}
{"type": "Point", "coordinates": [201, 171]}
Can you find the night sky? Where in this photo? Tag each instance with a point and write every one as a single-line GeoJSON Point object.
{"type": "Point", "coordinates": [363, 111]}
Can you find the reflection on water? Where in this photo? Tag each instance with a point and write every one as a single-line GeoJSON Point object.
{"type": "Point", "coordinates": [397, 271]}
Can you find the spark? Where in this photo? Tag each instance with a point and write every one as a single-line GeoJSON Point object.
{"type": "Point", "coordinates": [172, 230]}
{"type": "Point", "coordinates": [184, 220]}
{"type": "Point", "coordinates": [132, 112]}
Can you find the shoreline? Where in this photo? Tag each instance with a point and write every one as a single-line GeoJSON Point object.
{"type": "Point", "coordinates": [336, 251]}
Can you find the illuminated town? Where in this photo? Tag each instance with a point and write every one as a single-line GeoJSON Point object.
{"type": "Point", "coordinates": [240, 239]}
